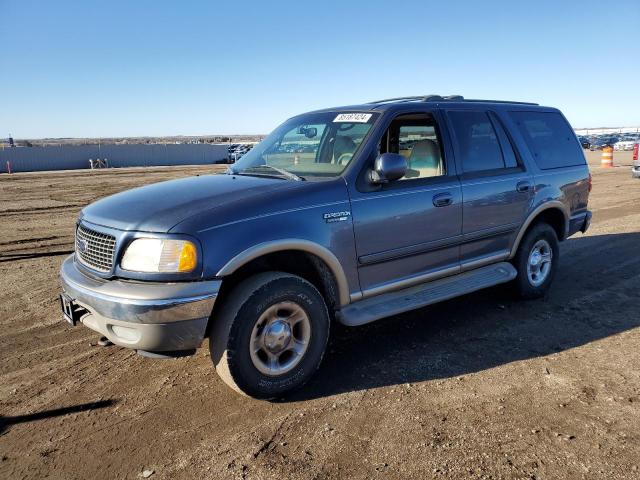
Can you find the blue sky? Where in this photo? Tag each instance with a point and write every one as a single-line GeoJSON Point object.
{"type": "Point", "coordinates": [127, 68]}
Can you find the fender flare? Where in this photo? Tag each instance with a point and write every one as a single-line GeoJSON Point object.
{"type": "Point", "coordinates": [265, 248]}
{"type": "Point", "coordinates": [555, 204]}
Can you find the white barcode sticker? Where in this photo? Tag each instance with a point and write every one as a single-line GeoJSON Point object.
{"type": "Point", "coordinates": [353, 117]}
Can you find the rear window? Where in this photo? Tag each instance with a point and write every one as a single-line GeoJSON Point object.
{"type": "Point", "coordinates": [477, 141]}
{"type": "Point", "coordinates": [550, 139]}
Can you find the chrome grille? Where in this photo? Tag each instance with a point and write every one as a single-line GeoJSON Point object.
{"type": "Point", "coordinates": [95, 249]}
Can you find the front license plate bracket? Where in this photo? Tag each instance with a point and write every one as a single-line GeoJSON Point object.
{"type": "Point", "coordinates": [70, 309]}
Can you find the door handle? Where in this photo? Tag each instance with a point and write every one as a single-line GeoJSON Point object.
{"type": "Point", "coordinates": [523, 186]}
{"type": "Point", "coordinates": [442, 199]}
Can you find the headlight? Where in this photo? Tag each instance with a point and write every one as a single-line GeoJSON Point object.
{"type": "Point", "coordinates": [160, 255]}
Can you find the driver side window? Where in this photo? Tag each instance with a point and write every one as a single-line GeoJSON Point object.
{"type": "Point", "coordinates": [415, 137]}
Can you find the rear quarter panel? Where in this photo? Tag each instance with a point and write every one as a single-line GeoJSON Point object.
{"type": "Point", "coordinates": [567, 185]}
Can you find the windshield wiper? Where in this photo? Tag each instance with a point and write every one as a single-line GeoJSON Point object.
{"type": "Point", "coordinates": [281, 171]}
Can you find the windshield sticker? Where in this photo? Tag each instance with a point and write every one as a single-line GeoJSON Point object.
{"type": "Point", "coordinates": [353, 117]}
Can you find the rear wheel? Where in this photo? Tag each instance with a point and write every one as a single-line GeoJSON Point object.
{"type": "Point", "coordinates": [536, 261]}
{"type": "Point", "coordinates": [270, 335]}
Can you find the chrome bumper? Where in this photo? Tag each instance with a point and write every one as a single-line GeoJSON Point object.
{"type": "Point", "coordinates": [155, 317]}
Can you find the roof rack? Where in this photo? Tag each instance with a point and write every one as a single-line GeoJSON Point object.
{"type": "Point", "coordinates": [479, 100]}
{"type": "Point", "coordinates": [418, 98]}
{"type": "Point", "coordinates": [440, 98]}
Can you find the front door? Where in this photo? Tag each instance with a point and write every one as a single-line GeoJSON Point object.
{"type": "Point", "coordinates": [408, 231]}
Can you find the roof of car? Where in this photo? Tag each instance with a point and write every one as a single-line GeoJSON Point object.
{"type": "Point", "coordinates": [450, 100]}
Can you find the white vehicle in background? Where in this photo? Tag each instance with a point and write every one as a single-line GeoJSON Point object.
{"type": "Point", "coordinates": [624, 145]}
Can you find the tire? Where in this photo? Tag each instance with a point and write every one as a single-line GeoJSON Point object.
{"type": "Point", "coordinates": [269, 315]}
{"type": "Point", "coordinates": [543, 239]}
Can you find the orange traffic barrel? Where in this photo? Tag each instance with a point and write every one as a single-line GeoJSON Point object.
{"type": "Point", "coordinates": [607, 157]}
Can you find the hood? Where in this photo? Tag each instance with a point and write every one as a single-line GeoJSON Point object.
{"type": "Point", "coordinates": [158, 207]}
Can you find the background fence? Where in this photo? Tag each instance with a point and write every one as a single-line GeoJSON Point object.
{"type": "Point", "coordinates": [32, 159]}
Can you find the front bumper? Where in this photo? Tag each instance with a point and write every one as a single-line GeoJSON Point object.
{"type": "Point", "coordinates": [148, 316]}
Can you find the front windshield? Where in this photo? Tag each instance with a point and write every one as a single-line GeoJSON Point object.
{"type": "Point", "coordinates": [314, 144]}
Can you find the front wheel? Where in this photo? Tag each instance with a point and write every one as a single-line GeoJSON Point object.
{"type": "Point", "coordinates": [536, 261]}
{"type": "Point", "coordinates": [270, 335]}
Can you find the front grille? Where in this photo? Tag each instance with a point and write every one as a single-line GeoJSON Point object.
{"type": "Point", "coordinates": [95, 249]}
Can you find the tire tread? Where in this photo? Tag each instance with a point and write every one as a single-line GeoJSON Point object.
{"type": "Point", "coordinates": [220, 335]}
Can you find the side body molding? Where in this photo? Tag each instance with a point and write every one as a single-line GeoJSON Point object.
{"type": "Point", "coordinates": [555, 204]}
{"type": "Point", "coordinates": [292, 244]}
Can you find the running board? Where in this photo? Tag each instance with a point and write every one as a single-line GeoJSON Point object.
{"type": "Point", "coordinates": [393, 303]}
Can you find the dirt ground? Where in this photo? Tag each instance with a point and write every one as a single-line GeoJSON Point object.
{"type": "Point", "coordinates": [478, 387]}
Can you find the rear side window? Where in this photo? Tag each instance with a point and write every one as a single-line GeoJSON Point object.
{"type": "Point", "coordinates": [550, 139]}
{"type": "Point", "coordinates": [477, 141]}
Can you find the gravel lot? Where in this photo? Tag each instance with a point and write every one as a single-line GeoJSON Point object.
{"type": "Point", "coordinates": [478, 387]}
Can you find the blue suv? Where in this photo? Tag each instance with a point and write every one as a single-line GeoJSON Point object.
{"type": "Point", "coordinates": [348, 214]}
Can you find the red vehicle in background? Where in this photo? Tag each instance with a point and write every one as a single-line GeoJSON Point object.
{"type": "Point", "coordinates": [635, 171]}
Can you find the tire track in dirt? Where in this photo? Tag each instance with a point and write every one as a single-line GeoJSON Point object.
{"type": "Point", "coordinates": [30, 256]}
{"type": "Point", "coordinates": [23, 241]}
{"type": "Point", "coordinates": [37, 210]}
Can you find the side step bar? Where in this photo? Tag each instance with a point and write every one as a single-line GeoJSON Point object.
{"type": "Point", "coordinates": [393, 303]}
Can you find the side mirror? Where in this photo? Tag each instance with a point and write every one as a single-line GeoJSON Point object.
{"type": "Point", "coordinates": [388, 167]}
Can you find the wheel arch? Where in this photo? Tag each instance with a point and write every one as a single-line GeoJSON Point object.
{"type": "Point", "coordinates": [320, 256]}
{"type": "Point", "coordinates": [554, 213]}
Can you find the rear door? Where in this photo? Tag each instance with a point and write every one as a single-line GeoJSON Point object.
{"type": "Point", "coordinates": [496, 188]}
